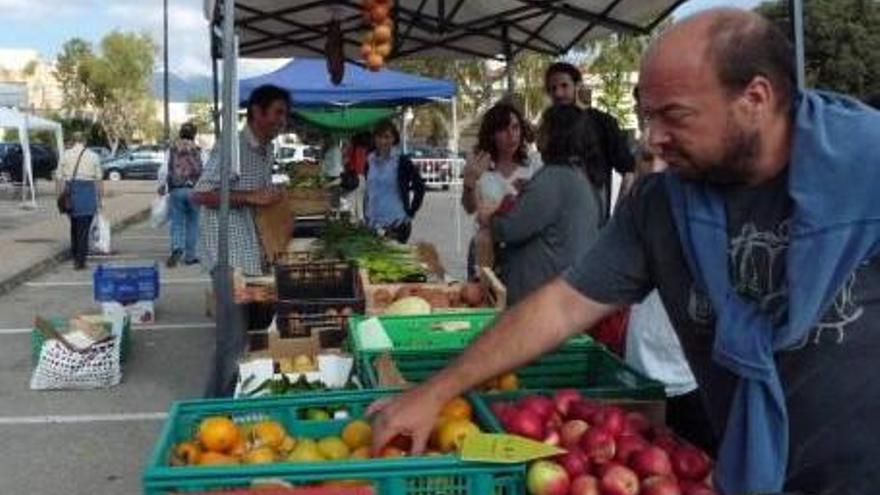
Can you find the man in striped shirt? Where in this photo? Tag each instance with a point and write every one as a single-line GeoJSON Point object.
{"type": "Point", "coordinates": [250, 188]}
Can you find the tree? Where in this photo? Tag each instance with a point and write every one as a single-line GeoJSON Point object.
{"type": "Point", "coordinates": [841, 42]}
{"type": "Point", "coordinates": [613, 59]}
{"type": "Point", "coordinates": [529, 69]}
{"type": "Point", "coordinates": [71, 71]}
{"type": "Point", "coordinates": [114, 84]}
{"type": "Point", "coordinates": [476, 82]}
{"type": "Point", "coordinates": [202, 111]}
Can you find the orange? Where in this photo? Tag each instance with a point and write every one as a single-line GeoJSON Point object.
{"type": "Point", "coordinates": [451, 434]}
{"type": "Point", "coordinates": [391, 452]}
{"type": "Point", "coordinates": [508, 382]}
{"type": "Point", "coordinates": [216, 459]}
{"type": "Point", "coordinates": [268, 433]}
{"type": "Point", "coordinates": [260, 455]}
{"type": "Point", "coordinates": [218, 434]}
{"type": "Point", "coordinates": [188, 452]}
{"type": "Point", "coordinates": [457, 408]}
{"type": "Point", "coordinates": [357, 434]}
{"type": "Point", "coordinates": [360, 453]}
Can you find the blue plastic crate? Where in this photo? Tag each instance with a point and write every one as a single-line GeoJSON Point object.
{"type": "Point", "coordinates": [126, 284]}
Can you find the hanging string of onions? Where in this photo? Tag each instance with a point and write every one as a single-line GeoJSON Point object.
{"type": "Point", "coordinates": [377, 42]}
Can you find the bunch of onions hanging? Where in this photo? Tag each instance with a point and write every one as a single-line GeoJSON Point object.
{"type": "Point", "coordinates": [377, 42]}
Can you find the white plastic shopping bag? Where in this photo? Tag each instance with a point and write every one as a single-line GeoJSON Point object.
{"type": "Point", "coordinates": [99, 235]}
{"type": "Point", "coordinates": [159, 211]}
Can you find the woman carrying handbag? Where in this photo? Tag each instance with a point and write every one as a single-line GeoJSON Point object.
{"type": "Point", "coordinates": [80, 187]}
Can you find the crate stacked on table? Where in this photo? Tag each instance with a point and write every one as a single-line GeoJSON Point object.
{"type": "Point", "coordinates": [419, 346]}
{"type": "Point", "coordinates": [130, 288]}
{"type": "Point", "coordinates": [313, 416]}
{"type": "Point", "coordinates": [443, 297]}
{"type": "Point", "coordinates": [316, 297]}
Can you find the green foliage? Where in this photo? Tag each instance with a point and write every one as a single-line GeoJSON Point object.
{"type": "Point", "coordinates": [842, 42]}
{"type": "Point", "coordinates": [613, 59]}
{"type": "Point", "coordinates": [113, 83]}
{"type": "Point", "coordinates": [202, 110]}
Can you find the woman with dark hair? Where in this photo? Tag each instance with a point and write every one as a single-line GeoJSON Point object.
{"type": "Point", "coordinates": [499, 168]}
{"type": "Point", "coordinates": [395, 188]}
{"type": "Point", "coordinates": [555, 219]}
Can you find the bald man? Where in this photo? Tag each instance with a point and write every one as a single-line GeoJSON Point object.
{"type": "Point", "coordinates": [761, 240]}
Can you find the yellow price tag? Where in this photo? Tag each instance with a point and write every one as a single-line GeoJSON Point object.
{"type": "Point", "coordinates": [505, 449]}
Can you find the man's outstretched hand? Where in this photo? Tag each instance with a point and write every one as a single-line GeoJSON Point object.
{"type": "Point", "coordinates": [411, 414]}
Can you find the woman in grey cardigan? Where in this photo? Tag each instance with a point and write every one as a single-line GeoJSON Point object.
{"type": "Point", "coordinates": [556, 218]}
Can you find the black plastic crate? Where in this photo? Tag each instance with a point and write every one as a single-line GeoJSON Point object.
{"type": "Point", "coordinates": [318, 279]}
{"type": "Point", "coordinates": [305, 227]}
{"type": "Point", "coordinates": [327, 318]}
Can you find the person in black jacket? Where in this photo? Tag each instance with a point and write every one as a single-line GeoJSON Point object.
{"type": "Point", "coordinates": [395, 188]}
{"type": "Point", "coordinates": [563, 82]}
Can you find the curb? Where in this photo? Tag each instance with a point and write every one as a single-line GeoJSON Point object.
{"type": "Point", "coordinates": [62, 254]}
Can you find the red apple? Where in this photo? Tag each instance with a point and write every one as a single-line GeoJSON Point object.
{"type": "Point", "coordinates": [583, 410]}
{"type": "Point", "coordinates": [552, 438]}
{"type": "Point", "coordinates": [667, 443]}
{"type": "Point", "coordinates": [660, 485]}
{"type": "Point", "coordinates": [542, 406]}
{"type": "Point", "coordinates": [601, 469]}
{"type": "Point", "coordinates": [526, 423]}
{"type": "Point", "coordinates": [554, 422]}
{"type": "Point", "coordinates": [637, 422]}
{"type": "Point", "coordinates": [690, 463]}
{"type": "Point", "coordinates": [574, 462]}
{"type": "Point", "coordinates": [598, 444]}
{"type": "Point", "coordinates": [611, 418]}
{"type": "Point", "coordinates": [547, 478]}
{"type": "Point", "coordinates": [564, 398]}
{"type": "Point", "coordinates": [572, 431]}
{"type": "Point", "coordinates": [628, 445]}
{"type": "Point", "coordinates": [619, 480]}
{"type": "Point", "coordinates": [584, 485]}
{"type": "Point", "coordinates": [694, 488]}
{"type": "Point", "coordinates": [651, 461]}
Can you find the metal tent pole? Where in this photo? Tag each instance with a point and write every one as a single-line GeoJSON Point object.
{"type": "Point", "coordinates": [224, 279]}
{"type": "Point", "coordinates": [797, 24]}
{"type": "Point", "coordinates": [215, 113]}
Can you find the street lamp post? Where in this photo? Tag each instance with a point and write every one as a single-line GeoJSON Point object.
{"type": "Point", "coordinates": [167, 133]}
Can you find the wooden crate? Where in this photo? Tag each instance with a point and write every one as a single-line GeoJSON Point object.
{"type": "Point", "coordinates": [303, 202]}
{"type": "Point", "coordinates": [492, 286]}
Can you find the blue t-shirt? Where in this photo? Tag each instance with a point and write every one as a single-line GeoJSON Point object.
{"type": "Point", "coordinates": [384, 204]}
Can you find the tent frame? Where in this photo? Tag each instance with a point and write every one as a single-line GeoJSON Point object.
{"type": "Point", "coordinates": [24, 127]}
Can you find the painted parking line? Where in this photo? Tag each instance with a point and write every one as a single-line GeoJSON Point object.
{"type": "Point", "coordinates": [84, 283]}
{"type": "Point", "coordinates": [168, 326]}
{"type": "Point", "coordinates": [82, 418]}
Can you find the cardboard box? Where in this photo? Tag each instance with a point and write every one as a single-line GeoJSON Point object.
{"type": "Point", "coordinates": [140, 312]}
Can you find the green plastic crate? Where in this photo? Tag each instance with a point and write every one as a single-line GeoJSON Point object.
{"type": "Point", "coordinates": [37, 339]}
{"type": "Point", "coordinates": [415, 333]}
{"type": "Point", "coordinates": [442, 475]}
{"type": "Point", "coordinates": [419, 333]}
{"type": "Point", "coordinates": [587, 366]}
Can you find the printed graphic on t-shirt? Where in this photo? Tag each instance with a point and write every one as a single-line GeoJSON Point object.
{"type": "Point", "coordinates": [758, 273]}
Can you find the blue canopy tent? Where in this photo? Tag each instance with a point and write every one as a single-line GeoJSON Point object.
{"type": "Point", "coordinates": [353, 103]}
{"type": "Point", "coordinates": [310, 86]}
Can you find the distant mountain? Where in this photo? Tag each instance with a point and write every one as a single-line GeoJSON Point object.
{"type": "Point", "coordinates": [182, 89]}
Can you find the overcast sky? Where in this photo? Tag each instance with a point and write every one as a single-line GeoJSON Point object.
{"type": "Point", "coordinates": [45, 25]}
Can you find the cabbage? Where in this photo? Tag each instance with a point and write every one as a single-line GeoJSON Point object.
{"type": "Point", "coordinates": [409, 306]}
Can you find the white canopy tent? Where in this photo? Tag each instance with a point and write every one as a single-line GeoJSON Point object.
{"type": "Point", "coordinates": [11, 118]}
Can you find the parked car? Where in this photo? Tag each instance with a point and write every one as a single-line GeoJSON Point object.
{"type": "Point", "coordinates": [103, 152]}
{"type": "Point", "coordinates": [285, 155]}
{"type": "Point", "coordinates": [44, 160]}
{"type": "Point", "coordinates": [138, 163]}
